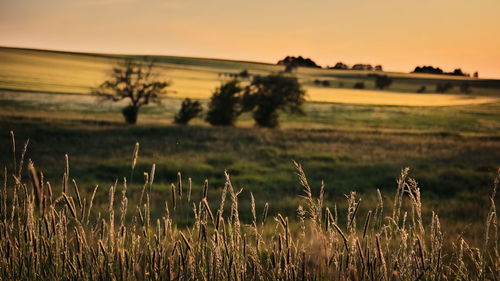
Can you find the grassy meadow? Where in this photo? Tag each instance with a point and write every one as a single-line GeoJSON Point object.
{"type": "Point", "coordinates": [60, 72]}
{"type": "Point", "coordinates": [351, 140]}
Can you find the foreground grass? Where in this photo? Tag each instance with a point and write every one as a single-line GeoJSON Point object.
{"type": "Point", "coordinates": [453, 151]}
{"type": "Point", "coordinates": [47, 235]}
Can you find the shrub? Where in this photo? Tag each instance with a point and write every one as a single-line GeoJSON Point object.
{"type": "Point", "coordinates": [382, 81]}
{"type": "Point", "coordinates": [359, 85]}
{"type": "Point", "coordinates": [422, 89]}
{"type": "Point", "coordinates": [267, 95]}
{"type": "Point", "coordinates": [443, 87]}
{"type": "Point", "coordinates": [223, 107]}
{"type": "Point", "coordinates": [244, 74]}
{"type": "Point", "coordinates": [189, 110]}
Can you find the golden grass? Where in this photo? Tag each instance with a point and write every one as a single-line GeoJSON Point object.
{"type": "Point", "coordinates": [370, 97]}
{"type": "Point", "coordinates": [44, 236]}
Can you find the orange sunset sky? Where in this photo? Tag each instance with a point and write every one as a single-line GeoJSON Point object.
{"type": "Point", "coordinates": [399, 34]}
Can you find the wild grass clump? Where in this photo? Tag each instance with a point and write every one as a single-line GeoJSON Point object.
{"type": "Point", "coordinates": [48, 236]}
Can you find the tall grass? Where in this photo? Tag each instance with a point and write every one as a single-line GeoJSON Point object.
{"type": "Point", "coordinates": [48, 236]}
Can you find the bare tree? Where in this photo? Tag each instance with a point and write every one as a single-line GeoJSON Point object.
{"type": "Point", "coordinates": [135, 81]}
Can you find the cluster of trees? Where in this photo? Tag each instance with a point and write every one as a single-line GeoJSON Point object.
{"type": "Point", "coordinates": [358, 66]}
{"type": "Point", "coordinates": [291, 62]}
{"type": "Point", "coordinates": [265, 97]}
{"type": "Point", "coordinates": [428, 69]}
{"type": "Point", "coordinates": [436, 70]}
{"type": "Point", "coordinates": [294, 62]}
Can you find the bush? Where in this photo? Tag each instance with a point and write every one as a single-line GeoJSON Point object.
{"type": "Point", "coordinates": [189, 110]}
{"type": "Point", "coordinates": [359, 85]}
{"type": "Point", "coordinates": [443, 87]}
{"type": "Point", "coordinates": [244, 74]}
{"type": "Point", "coordinates": [223, 107]}
{"type": "Point", "coordinates": [267, 95]}
{"type": "Point", "coordinates": [382, 81]}
{"type": "Point", "coordinates": [422, 89]}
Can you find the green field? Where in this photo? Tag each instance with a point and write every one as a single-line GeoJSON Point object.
{"type": "Point", "coordinates": [359, 143]}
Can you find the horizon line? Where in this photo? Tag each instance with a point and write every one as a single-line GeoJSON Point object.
{"type": "Point", "coordinates": [97, 53]}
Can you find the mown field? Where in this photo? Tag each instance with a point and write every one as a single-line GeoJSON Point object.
{"type": "Point", "coordinates": [60, 72]}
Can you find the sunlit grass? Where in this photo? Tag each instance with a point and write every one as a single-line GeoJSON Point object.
{"type": "Point", "coordinates": [56, 72]}
{"type": "Point", "coordinates": [137, 230]}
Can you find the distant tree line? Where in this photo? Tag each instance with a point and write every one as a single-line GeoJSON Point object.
{"type": "Point", "coordinates": [436, 70]}
{"type": "Point", "coordinates": [358, 66]}
{"type": "Point", "coordinates": [291, 62]}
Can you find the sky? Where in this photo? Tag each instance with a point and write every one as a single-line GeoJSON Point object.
{"type": "Point", "coordinates": [398, 34]}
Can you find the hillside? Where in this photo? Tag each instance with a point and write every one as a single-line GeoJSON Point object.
{"type": "Point", "coordinates": [29, 70]}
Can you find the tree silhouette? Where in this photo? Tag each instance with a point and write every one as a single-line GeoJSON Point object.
{"type": "Point", "coordinates": [361, 66]}
{"type": "Point", "coordinates": [244, 74]}
{"type": "Point", "coordinates": [382, 81]}
{"type": "Point", "coordinates": [428, 69]}
{"type": "Point", "coordinates": [223, 107]}
{"type": "Point", "coordinates": [340, 65]}
{"type": "Point", "coordinates": [267, 95]}
{"type": "Point", "coordinates": [135, 81]}
{"type": "Point", "coordinates": [298, 61]}
{"type": "Point", "coordinates": [189, 110]}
